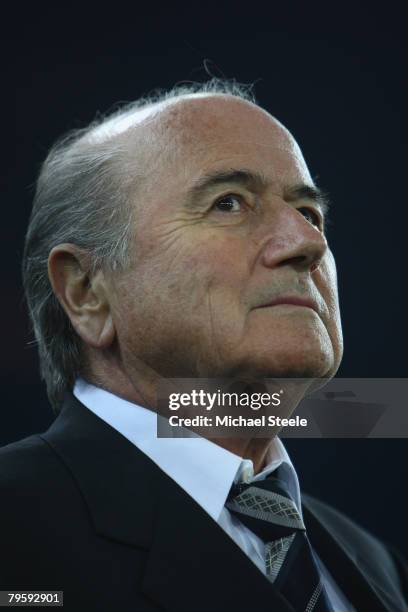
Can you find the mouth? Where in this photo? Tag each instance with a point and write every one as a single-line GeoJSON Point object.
{"type": "Point", "coordinates": [291, 300]}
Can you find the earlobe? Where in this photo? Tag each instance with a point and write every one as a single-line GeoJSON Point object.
{"type": "Point", "coordinates": [108, 333]}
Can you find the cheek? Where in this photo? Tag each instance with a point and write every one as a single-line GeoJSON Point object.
{"type": "Point", "coordinates": [209, 282]}
{"type": "Point", "coordinates": [184, 280]}
{"type": "Point", "coordinates": [216, 262]}
{"type": "Point", "coordinates": [190, 280]}
{"type": "Point", "coordinates": [328, 288]}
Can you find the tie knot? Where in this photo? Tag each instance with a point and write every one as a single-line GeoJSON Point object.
{"type": "Point", "coordinates": [272, 484]}
{"type": "Point", "coordinates": [268, 501]}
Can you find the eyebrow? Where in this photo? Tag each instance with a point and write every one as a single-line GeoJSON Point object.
{"type": "Point", "coordinates": [308, 192]}
{"type": "Point", "coordinates": [257, 181]}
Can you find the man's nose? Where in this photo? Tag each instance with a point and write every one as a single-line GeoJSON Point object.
{"type": "Point", "coordinates": [293, 240]}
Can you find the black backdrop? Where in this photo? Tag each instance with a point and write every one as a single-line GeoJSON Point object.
{"type": "Point", "coordinates": [335, 78]}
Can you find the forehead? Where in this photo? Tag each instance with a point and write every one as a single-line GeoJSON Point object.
{"type": "Point", "coordinates": [205, 115]}
{"type": "Point", "coordinates": [197, 134]}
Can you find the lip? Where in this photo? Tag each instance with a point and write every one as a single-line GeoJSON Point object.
{"type": "Point", "coordinates": [291, 300]}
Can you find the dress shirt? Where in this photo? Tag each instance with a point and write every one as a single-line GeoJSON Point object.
{"type": "Point", "coordinates": [203, 469]}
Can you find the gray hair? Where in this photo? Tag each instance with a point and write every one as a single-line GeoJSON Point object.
{"type": "Point", "coordinates": [81, 198]}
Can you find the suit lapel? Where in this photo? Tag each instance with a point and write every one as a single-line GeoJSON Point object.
{"type": "Point", "coordinates": [337, 557]}
{"type": "Point", "coordinates": [194, 564]}
{"type": "Point", "coordinates": [191, 562]}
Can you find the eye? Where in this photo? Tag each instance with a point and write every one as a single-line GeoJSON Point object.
{"type": "Point", "coordinates": [229, 204]}
{"type": "Point", "coordinates": [311, 216]}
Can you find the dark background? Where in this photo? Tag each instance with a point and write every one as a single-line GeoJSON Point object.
{"type": "Point", "coordinates": [335, 77]}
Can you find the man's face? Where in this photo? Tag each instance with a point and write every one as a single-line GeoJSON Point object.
{"type": "Point", "coordinates": [226, 236]}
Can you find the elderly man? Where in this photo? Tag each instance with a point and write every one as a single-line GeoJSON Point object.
{"type": "Point", "coordinates": [181, 237]}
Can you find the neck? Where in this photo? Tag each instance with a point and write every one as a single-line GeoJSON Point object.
{"type": "Point", "coordinates": [254, 449]}
{"type": "Point", "coordinates": [141, 390]}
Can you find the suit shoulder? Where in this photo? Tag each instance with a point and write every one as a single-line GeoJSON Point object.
{"type": "Point", "coordinates": [39, 498]}
{"type": "Point", "coordinates": [17, 453]}
{"type": "Point", "coordinates": [376, 557]}
{"type": "Point", "coordinates": [29, 464]}
{"type": "Point", "coordinates": [343, 527]}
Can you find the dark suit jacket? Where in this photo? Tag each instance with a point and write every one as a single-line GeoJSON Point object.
{"type": "Point", "coordinates": [84, 511]}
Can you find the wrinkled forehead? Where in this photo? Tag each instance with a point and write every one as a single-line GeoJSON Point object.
{"type": "Point", "coordinates": [224, 132]}
{"type": "Point", "coordinates": [200, 130]}
{"type": "Point", "coordinates": [217, 120]}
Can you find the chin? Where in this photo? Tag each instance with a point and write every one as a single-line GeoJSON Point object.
{"type": "Point", "coordinates": [297, 359]}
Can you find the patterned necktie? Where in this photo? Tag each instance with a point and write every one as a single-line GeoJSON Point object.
{"type": "Point", "coordinates": [268, 510]}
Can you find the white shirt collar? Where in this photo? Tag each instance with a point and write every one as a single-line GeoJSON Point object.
{"type": "Point", "coordinates": [202, 468]}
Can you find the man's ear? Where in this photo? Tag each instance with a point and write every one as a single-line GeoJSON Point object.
{"type": "Point", "coordinates": [85, 299]}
